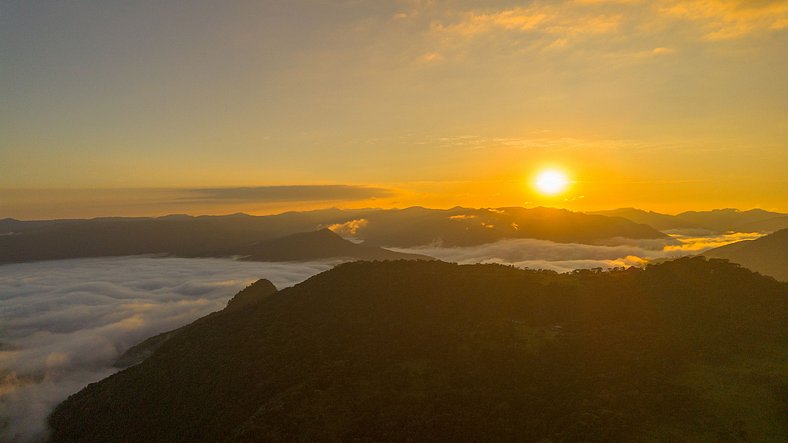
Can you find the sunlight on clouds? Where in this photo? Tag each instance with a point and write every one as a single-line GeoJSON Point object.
{"type": "Point", "coordinates": [520, 19]}
{"type": "Point", "coordinates": [728, 19]}
{"type": "Point", "coordinates": [699, 244]}
{"type": "Point", "coordinates": [662, 51]}
{"type": "Point", "coordinates": [349, 228]}
{"type": "Point", "coordinates": [546, 19]}
{"type": "Point", "coordinates": [602, 2]}
{"type": "Point", "coordinates": [557, 26]}
{"type": "Point", "coordinates": [431, 57]}
{"type": "Point", "coordinates": [565, 257]}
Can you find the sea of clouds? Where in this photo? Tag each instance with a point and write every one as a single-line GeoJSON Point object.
{"type": "Point", "coordinates": [64, 323]}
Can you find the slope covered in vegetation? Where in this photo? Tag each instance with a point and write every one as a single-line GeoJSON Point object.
{"type": "Point", "coordinates": [767, 255]}
{"type": "Point", "coordinates": [393, 351]}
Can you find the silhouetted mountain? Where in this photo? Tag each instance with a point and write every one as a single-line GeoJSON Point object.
{"type": "Point", "coordinates": [718, 220]}
{"type": "Point", "coordinates": [319, 245]}
{"type": "Point", "coordinates": [430, 351]}
{"type": "Point", "coordinates": [722, 220]}
{"type": "Point", "coordinates": [466, 227]}
{"type": "Point", "coordinates": [772, 224]}
{"type": "Point", "coordinates": [230, 235]}
{"type": "Point", "coordinates": [250, 295]}
{"type": "Point", "coordinates": [663, 222]}
{"type": "Point", "coordinates": [767, 255]}
{"type": "Point", "coordinates": [13, 226]}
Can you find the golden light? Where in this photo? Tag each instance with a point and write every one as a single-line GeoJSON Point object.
{"type": "Point", "coordinates": [551, 182]}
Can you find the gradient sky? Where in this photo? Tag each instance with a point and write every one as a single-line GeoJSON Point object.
{"type": "Point", "coordinates": [150, 107]}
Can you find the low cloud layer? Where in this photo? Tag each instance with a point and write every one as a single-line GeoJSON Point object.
{"type": "Point", "coordinates": [63, 323]}
{"type": "Point", "coordinates": [565, 257]}
{"type": "Point", "coordinates": [702, 243]}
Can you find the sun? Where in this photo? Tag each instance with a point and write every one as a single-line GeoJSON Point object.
{"type": "Point", "coordinates": [551, 182]}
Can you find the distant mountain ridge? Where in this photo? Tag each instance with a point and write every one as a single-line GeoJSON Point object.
{"type": "Point", "coordinates": [767, 255]}
{"type": "Point", "coordinates": [317, 245]}
{"type": "Point", "coordinates": [431, 351]}
{"type": "Point", "coordinates": [221, 236]}
{"type": "Point", "coordinates": [717, 220]}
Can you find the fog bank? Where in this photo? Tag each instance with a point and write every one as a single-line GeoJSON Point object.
{"type": "Point", "coordinates": [63, 323]}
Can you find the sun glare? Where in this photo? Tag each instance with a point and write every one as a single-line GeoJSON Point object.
{"type": "Point", "coordinates": [551, 182]}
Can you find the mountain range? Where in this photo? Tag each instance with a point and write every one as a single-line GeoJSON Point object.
{"type": "Point", "coordinates": [236, 235]}
{"type": "Point", "coordinates": [718, 220]}
{"type": "Point", "coordinates": [317, 245]}
{"type": "Point", "coordinates": [431, 351]}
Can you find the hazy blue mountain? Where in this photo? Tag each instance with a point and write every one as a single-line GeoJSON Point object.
{"type": "Point", "coordinates": [767, 255]}
{"type": "Point", "coordinates": [430, 351]}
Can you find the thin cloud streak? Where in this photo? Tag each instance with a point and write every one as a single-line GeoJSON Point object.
{"type": "Point", "coordinates": [288, 193]}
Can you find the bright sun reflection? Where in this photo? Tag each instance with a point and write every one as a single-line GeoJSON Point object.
{"type": "Point", "coordinates": [551, 182]}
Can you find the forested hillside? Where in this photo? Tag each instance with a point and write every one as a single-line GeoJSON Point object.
{"type": "Point", "coordinates": [374, 351]}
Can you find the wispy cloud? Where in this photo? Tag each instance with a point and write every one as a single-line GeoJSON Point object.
{"type": "Point", "coordinates": [547, 26]}
{"type": "Point", "coordinates": [693, 243]}
{"type": "Point", "coordinates": [546, 20]}
{"type": "Point", "coordinates": [728, 19]}
{"type": "Point", "coordinates": [288, 193]}
{"type": "Point", "coordinates": [546, 141]}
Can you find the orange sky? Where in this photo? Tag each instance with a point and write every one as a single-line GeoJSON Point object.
{"type": "Point", "coordinates": [136, 109]}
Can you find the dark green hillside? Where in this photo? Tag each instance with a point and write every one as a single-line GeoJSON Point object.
{"type": "Point", "coordinates": [248, 296]}
{"type": "Point", "coordinates": [429, 351]}
{"type": "Point", "coordinates": [767, 255]}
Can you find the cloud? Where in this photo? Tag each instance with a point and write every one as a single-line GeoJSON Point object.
{"type": "Point", "coordinates": [693, 243]}
{"type": "Point", "coordinates": [48, 203]}
{"type": "Point", "coordinates": [728, 19]}
{"type": "Point", "coordinates": [564, 257]}
{"type": "Point", "coordinates": [543, 19]}
{"type": "Point", "coordinates": [288, 193]}
{"type": "Point", "coordinates": [600, 2]}
{"type": "Point", "coordinates": [349, 228]}
{"type": "Point", "coordinates": [571, 265]}
{"type": "Point", "coordinates": [431, 57]}
{"type": "Point", "coordinates": [545, 27]}
{"type": "Point", "coordinates": [662, 51]}
{"type": "Point", "coordinates": [65, 322]}
{"type": "Point", "coordinates": [540, 141]}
